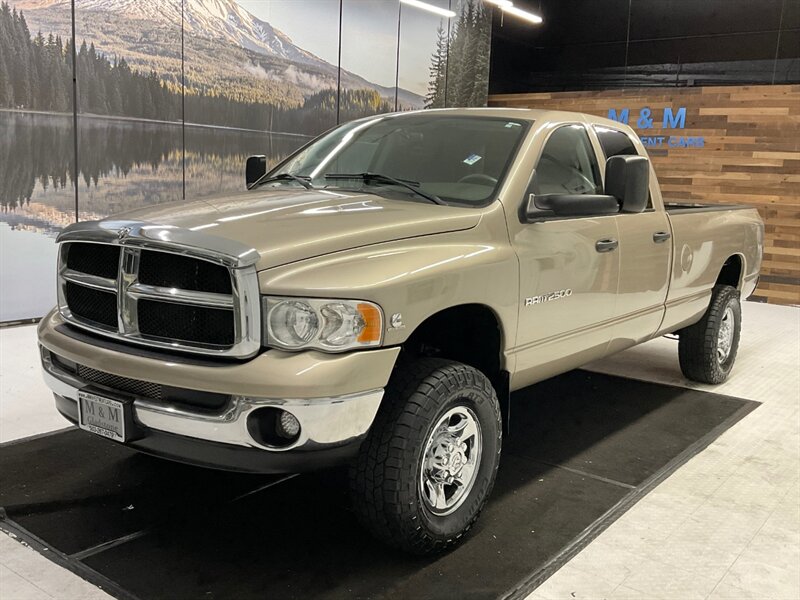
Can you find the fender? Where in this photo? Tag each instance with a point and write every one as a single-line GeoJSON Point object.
{"type": "Point", "coordinates": [415, 278]}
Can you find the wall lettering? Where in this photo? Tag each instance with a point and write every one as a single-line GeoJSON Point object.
{"type": "Point", "coordinates": [670, 119]}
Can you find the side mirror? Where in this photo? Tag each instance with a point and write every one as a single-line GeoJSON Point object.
{"type": "Point", "coordinates": [255, 169]}
{"type": "Point", "coordinates": [628, 180]}
{"type": "Point", "coordinates": [571, 205]}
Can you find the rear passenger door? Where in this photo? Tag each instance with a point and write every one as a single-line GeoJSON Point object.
{"type": "Point", "coordinates": [645, 252]}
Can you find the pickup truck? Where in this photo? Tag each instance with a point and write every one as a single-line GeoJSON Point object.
{"type": "Point", "coordinates": [373, 300]}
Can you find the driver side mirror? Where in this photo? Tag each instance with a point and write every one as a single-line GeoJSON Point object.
{"type": "Point", "coordinates": [255, 169]}
{"type": "Point", "coordinates": [628, 180]}
{"type": "Point", "coordinates": [571, 205]}
{"type": "Point", "coordinates": [627, 190]}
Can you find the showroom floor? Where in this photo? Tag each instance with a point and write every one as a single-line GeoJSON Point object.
{"type": "Point", "coordinates": [725, 525]}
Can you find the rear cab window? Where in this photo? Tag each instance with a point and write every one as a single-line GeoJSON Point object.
{"type": "Point", "coordinates": [617, 143]}
{"type": "Point", "coordinates": [614, 142]}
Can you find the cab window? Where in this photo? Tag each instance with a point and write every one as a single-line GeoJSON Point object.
{"type": "Point", "coordinates": [568, 164]}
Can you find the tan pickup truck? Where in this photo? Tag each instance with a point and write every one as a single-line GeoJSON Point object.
{"type": "Point", "coordinates": [374, 299]}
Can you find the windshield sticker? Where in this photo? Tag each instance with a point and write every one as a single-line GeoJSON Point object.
{"type": "Point", "coordinates": [512, 124]}
{"type": "Point", "coordinates": [472, 159]}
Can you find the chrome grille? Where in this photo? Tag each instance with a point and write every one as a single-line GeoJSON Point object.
{"type": "Point", "coordinates": [145, 389]}
{"type": "Point", "coordinates": [160, 293]}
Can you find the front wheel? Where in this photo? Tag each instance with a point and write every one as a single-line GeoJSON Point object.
{"type": "Point", "coordinates": [707, 349]}
{"type": "Point", "coordinates": [429, 463]}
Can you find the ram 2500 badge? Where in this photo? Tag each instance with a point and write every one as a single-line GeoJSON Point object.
{"type": "Point", "coordinates": [373, 300]}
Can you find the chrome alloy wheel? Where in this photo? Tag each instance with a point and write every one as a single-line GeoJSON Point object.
{"type": "Point", "coordinates": [725, 337]}
{"type": "Point", "coordinates": [450, 461]}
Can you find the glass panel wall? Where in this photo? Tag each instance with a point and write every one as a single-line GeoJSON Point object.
{"type": "Point", "coordinates": [173, 95]}
{"type": "Point", "coordinates": [129, 105]}
{"type": "Point", "coordinates": [37, 194]}
{"type": "Point", "coordinates": [261, 82]}
{"type": "Point", "coordinates": [468, 55]}
{"type": "Point", "coordinates": [368, 58]}
{"type": "Point", "coordinates": [422, 60]}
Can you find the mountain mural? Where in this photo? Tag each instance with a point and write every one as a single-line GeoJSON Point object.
{"type": "Point", "coordinates": [228, 50]}
{"type": "Point", "coordinates": [144, 138]}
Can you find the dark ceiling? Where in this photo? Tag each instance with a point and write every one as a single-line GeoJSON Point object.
{"type": "Point", "coordinates": [596, 44]}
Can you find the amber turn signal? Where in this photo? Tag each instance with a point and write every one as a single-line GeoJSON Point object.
{"type": "Point", "coordinates": [372, 323]}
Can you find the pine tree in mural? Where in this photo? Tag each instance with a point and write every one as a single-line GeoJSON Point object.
{"type": "Point", "coordinates": [464, 75]}
{"type": "Point", "coordinates": [21, 61]}
{"type": "Point", "coordinates": [6, 92]}
{"type": "Point", "coordinates": [34, 73]}
{"type": "Point", "coordinates": [438, 72]}
{"type": "Point", "coordinates": [466, 60]}
{"type": "Point", "coordinates": [482, 36]}
{"type": "Point", "coordinates": [5, 84]}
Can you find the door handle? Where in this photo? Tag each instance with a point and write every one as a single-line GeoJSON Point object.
{"type": "Point", "coordinates": [607, 245]}
{"type": "Point", "coordinates": [661, 236]}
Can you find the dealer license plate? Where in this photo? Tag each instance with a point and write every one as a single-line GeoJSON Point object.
{"type": "Point", "coordinates": [102, 416]}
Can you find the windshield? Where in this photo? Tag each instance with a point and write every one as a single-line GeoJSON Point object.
{"type": "Point", "coordinates": [458, 159]}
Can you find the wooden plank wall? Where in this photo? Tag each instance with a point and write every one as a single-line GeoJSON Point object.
{"type": "Point", "coordinates": [751, 156]}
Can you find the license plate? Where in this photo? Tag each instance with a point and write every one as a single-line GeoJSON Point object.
{"type": "Point", "coordinates": [102, 416]}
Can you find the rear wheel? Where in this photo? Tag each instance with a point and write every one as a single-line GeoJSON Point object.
{"type": "Point", "coordinates": [427, 467]}
{"type": "Point", "coordinates": [707, 349]}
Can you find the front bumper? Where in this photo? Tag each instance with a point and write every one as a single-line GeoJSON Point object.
{"type": "Point", "coordinates": [331, 425]}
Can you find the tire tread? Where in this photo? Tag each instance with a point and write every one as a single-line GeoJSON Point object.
{"type": "Point", "coordinates": [698, 343]}
{"type": "Point", "coordinates": [376, 476]}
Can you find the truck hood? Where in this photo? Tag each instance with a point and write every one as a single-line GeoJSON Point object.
{"type": "Point", "coordinates": [285, 226]}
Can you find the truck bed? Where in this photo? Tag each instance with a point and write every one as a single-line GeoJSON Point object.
{"type": "Point", "coordinates": [682, 206]}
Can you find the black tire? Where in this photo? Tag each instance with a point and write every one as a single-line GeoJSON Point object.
{"type": "Point", "coordinates": [385, 478]}
{"type": "Point", "coordinates": [700, 348]}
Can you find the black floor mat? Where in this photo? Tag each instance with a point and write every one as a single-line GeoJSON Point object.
{"type": "Point", "coordinates": [583, 447]}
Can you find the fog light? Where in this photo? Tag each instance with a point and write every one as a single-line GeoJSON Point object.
{"type": "Point", "coordinates": [287, 426]}
{"type": "Point", "coordinates": [272, 426]}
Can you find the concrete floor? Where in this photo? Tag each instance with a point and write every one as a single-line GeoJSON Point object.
{"type": "Point", "coordinates": [725, 526]}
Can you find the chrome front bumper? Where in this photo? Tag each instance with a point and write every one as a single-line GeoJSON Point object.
{"type": "Point", "coordinates": [324, 422]}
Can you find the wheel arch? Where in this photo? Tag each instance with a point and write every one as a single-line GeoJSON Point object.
{"type": "Point", "coordinates": [732, 271]}
{"type": "Point", "coordinates": [471, 333]}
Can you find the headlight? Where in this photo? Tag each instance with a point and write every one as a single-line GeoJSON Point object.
{"type": "Point", "coordinates": [332, 325]}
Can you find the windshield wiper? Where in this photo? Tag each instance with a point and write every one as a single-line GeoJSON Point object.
{"type": "Point", "coordinates": [380, 178]}
{"type": "Point", "coordinates": [284, 177]}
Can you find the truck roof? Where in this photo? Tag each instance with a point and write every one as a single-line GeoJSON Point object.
{"type": "Point", "coordinates": [531, 114]}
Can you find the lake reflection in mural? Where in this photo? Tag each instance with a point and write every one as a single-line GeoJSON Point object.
{"type": "Point", "coordinates": [123, 164]}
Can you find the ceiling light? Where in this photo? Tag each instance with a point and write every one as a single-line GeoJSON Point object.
{"type": "Point", "coordinates": [501, 3]}
{"type": "Point", "coordinates": [430, 8]}
{"type": "Point", "coordinates": [513, 10]}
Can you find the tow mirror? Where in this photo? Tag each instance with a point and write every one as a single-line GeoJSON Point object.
{"type": "Point", "coordinates": [628, 180]}
{"type": "Point", "coordinates": [255, 169]}
{"type": "Point", "coordinates": [571, 205]}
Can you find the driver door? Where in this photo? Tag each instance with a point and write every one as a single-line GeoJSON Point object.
{"type": "Point", "coordinates": [568, 278]}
